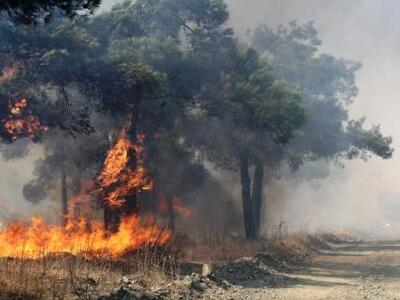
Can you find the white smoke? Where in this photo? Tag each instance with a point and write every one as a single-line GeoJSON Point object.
{"type": "Point", "coordinates": [363, 196]}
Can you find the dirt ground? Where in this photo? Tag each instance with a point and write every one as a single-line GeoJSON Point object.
{"type": "Point", "coordinates": [365, 270]}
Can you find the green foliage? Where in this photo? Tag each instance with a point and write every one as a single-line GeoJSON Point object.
{"type": "Point", "coordinates": [327, 86]}
{"type": "Point", "coordinates": [124, 61]}
{"type": "Point", "coordinates": [364, 142]}
{"type": "Point", "coordinates": [248, 111]}
{"type": "Point", "coordinates": [192, 89]}
{"type": "Point", "coordinates": [38, 11]}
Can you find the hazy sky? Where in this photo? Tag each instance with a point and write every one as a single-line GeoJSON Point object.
{"type": "Point", "coordinates": [364, 30]}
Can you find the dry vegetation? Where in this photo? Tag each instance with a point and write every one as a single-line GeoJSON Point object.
{"type": "Point", "coordinates": [67, 276]}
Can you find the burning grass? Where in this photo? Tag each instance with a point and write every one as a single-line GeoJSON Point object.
{"type": "Point", "coordinates": [81, 237]}
{"type": "Point", "coordinates": [154, 264]}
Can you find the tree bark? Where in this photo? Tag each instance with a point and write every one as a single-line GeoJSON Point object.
{"type": "Point", "coordinates": [171, 213]}
{"type": "Point", "coordinates": [131, 206]}
{"type": "Point", "coordinates": [248, 217]}
{"type": "Point", "coordinates": [257, 195]}
{"type": "Point", "coordinates": [64, 196]}
{"type": "Point", "coordinates": [112, 218]}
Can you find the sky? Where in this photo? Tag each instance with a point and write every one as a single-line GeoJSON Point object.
{"type": "Point", "coordinates": [363, 196]}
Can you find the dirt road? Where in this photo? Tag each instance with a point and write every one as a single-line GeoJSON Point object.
{"type": "Point", "coordinates": [368, 270]}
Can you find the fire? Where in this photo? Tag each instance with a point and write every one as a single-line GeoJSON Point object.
{"type": "Point", "coordinates": [21, 122]}
{"type": "Point", "coordinates": [82, 235]}
{"type": "Point", "coordinates": [177, 206]}
{"type": "Point", "coordinates": [79, 205]}
{"type": "Point", "coordinates": [118, 179]}
{"type": "Point", "coordinates": [79, 237]}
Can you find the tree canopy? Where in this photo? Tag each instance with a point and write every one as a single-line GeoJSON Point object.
{"type": "Point", "coordinates": [38, 11]}
{"type": "Point", "coordinates": [175, 77]}
{"type": "Point", "coordinates": [327, 86]}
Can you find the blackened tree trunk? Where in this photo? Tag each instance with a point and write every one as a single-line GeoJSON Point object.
{"type": "Point", "coordinates": [64, 196]}
{"type": "Point", "coordinates": [112, 218]}
{"type": "Point", "coordinates": [248, 217]}
{"type": "Point", "coordinates": [107, 218]}
{"type": "Point", "coordinates": [131, 205]}
{"type": "Point", "coordinates": [171, 213]}
{"type": "Point", "coordinates": [257, 195]}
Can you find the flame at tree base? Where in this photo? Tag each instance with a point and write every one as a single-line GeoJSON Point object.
{"type": "Point", "coordinates": [39, 239]}
{"type": "Point", "coordinates": [123, 175]}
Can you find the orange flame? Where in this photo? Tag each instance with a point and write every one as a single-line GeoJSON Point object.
{"type": "Point", "coordinates": [119, 180]}
{"type": "Point", "coordinates": [177, 206]}
{"type": "Point", "coordinates": [86, 237]}
{"type": "Point", "coordinates": [21, 122]}
{"type": "Point", "coordinates": [79, 237]}
{"type": "Point", "coordinates": [79, 205]}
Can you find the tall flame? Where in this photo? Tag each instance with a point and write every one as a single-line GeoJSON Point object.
{"type": "Point", "coordinates": [118, 179]}
{"type": "Point", "coordinates": [21, 122]}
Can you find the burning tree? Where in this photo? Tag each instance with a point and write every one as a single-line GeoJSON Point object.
{"type": "Point", "coordinates": [145, 93]}
{"type": "Point", "coordinates": [139, 74]}
{"type": "Point", "coordinates": [123, 176]}
{"type": "Point", "coordinates": [21, 122]}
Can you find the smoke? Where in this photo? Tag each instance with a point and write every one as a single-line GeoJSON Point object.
{"type": "Point", "coordinates": [362, 196]}
{"type": "Point", "coordinates": [15, 173]}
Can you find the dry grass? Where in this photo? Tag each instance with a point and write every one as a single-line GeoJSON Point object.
{"type": "Point", "coordinates": [220, 248]}
{"type": "Point", "coordinates": [225, 251]}
{"type": "Point", "coordinates": [57, 277]}
{"type": "Point", "coordinates": [68, 276]}
{"type": "Point", "coordinates": [295, 248]}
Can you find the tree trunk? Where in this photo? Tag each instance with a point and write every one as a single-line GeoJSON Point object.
{"type": "Point", "coordinates": [257, 195]}
{"type": "Point", "coordinates": [171, 213]}
{"type": "Point", "coordinates": [248, 217]}
{"type": "Point", "coordinates": [64, 196]}
{"type": "Point", "coordinates": [131, 205]}
{"type": "Point", "coordinates": [112, 216]}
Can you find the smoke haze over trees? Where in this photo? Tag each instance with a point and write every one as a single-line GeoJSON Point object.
{"type": "Point", "coordinates": [176, 73]}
